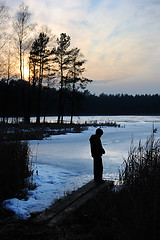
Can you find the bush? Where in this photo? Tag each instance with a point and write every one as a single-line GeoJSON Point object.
{"type": "Point", "coordinates": [14, 167]}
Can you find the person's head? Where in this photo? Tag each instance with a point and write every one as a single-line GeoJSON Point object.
{"type": "Point", "coordinates": [99, 132]}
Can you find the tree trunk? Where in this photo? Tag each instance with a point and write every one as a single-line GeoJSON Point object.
{"type": "Point", "coordinates": [72, 104]}
{"type": "Point", "coordinates": [60, 119]}
{"type": "Point", "coordinates": [60, 106]}
{"type": "Point", "coordinates": [45, 107]}
{"type": "Point", "coordinates": [20, 58]}
{"type": "Point", "coordinates": [38, 104]}
{"type": "Point", "coordinates": [39, 90]}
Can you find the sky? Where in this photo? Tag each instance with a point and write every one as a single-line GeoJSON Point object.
{"type": "Point", "coordinates": [120, 39]}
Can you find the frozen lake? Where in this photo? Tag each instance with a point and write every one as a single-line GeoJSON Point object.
{"type": "Point", "coordinates": [72, 151]}
{"type": "Point", "coordinates": [64, 163]}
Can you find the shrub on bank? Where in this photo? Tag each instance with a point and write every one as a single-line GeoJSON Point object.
{"type": "Point", "coordinates": [14, 166]}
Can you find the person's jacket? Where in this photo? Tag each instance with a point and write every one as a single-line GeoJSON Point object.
{"type": "Point", "coordinates": [96, 146]}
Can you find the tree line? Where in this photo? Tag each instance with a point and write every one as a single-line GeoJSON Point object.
{"type": "Point", "coordinates": [122, 104]}
{"type": "Point", "coordinates": [48, 60]}
{"type": "Point", "coordinates": [85, 103]}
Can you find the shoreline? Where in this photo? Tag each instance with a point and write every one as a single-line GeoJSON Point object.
{"type": "Point", "coordinates": [33, 131]}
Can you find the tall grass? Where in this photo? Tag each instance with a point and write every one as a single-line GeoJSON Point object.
{"type": "Point", "coordinates": [14, 166]}
{"type": "Point", "coordinates": [141, 179]}
{"type": "Point", "coordinates": [142, 167]}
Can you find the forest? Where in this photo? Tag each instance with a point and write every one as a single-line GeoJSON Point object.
{"type": "Point", "coordinates": [34, 57]}
{"type": "Point", "coordinates": [18, 98]}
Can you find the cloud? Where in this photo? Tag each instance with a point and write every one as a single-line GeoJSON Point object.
{"type": "Point", "coordinates": [118, 38]}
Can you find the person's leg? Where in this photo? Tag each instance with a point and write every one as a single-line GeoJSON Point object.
{"type": "Point", "coordinates": [98, 169]}
{"type": "Point", "coordinates": [95, 170]}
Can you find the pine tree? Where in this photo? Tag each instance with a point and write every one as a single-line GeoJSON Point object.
{"type": "Point", "coordinates": [39, 58]}
{"type": "Point", "coordinates": [62, 59]}
{"type": "Point", "coordinates": [76, 79]}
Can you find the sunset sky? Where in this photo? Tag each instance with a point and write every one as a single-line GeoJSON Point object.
{"type": "Point", "coordinates": [119, 38]}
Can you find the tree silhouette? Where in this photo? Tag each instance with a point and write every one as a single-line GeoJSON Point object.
{"type": "Point", "coordinates": [39, 58]}
{"type": "Point", "coordinates": [75, 76]}
{"type": "Point", "coordinates": [22, 28]}
{"type": "Point", "coordinates": [4, 17]}
{"type": "Point", "coordinates": [62, 58]}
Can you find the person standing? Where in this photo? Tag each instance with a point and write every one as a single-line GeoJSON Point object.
{"type": "Point", "coordinates": [97, 151]}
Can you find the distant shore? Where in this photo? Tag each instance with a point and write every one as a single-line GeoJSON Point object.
{"type": "Point", "coordinates": [33, 131]}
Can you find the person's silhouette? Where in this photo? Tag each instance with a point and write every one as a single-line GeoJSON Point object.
{"type": "Point", "coordinates": [97, 151]}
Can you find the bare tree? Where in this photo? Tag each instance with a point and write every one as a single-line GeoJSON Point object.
{"type": "Point", "coordinates": [4, 17]}
{"type": "Point", "coordinates": [4, 24]}
{"type": "Point", "coordinates": [22, 28]}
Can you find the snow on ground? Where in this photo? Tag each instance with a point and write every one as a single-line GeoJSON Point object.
{"type": "Point", "coordinates": [52, 183]}
{"type": "Point", "coordinates": [63, 162]}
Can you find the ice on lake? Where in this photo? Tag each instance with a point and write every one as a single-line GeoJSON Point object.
{"type": "Point", "coordinates": [64, 163]}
